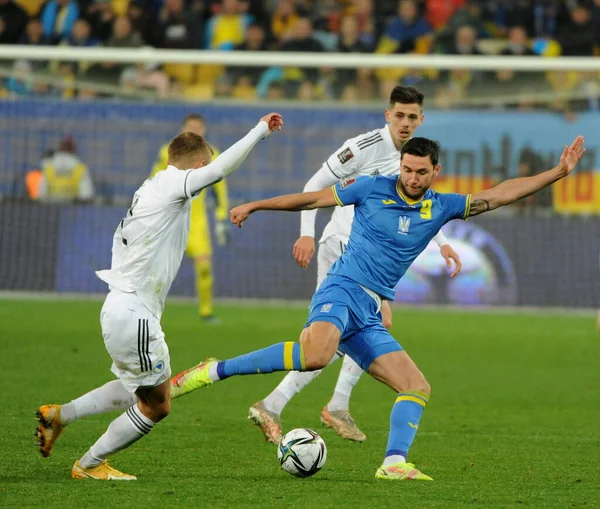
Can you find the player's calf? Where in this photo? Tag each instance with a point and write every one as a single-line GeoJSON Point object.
{"type": "Point", "coordinates": [398, 371]}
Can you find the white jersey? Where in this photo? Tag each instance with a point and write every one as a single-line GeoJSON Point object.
{"type": "Point", "coordinates": [372, 153]}
{"type": "Point", "coordinates": [150, 241]}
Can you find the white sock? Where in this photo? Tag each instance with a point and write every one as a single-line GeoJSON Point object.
{"type": "Point", "coordinates": [121, 433]}
{"type": "Point", "coordinates": [291, 385]}
{"type": "Point", "coordinates": [212, 372]}
{"type": "Point", "coordinates": [349, 375]}
{"type": "Point", "coordinates": [109, 397]}
{"type": "Point", "coordinates": [393, 459]}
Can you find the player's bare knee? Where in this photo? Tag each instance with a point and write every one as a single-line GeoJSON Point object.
{"type": "Point", "coordinates": [419, 383]}
{"type": "Point", "coordinates": [162, 410]}
{"type": "Point", "coordinates": [319, 342]}
{"type": "Point", "coordinates": [157, 411]}
{"type": "Point", "coordinates": [314, 358]}
{"type": "Point", "coordinates": [315, 361]}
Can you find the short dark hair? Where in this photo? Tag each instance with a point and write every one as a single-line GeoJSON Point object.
{"type": "Point", "coordinates": [185, 146]}
{"type": "Point", "coordinates": [422, 147]}
{"type": "Point", "coordinates": [406, 95]}
{"type": "Point", "coordinates": [193, 116]}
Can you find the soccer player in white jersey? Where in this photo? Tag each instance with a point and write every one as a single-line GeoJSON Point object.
{"type": "Point", "coordinates": [148, 246]}
{"type": "Point", "coordinates": [372, 153]}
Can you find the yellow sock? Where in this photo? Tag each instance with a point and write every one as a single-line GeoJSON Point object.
{"type": "Point", "coordinates": [204, 286]}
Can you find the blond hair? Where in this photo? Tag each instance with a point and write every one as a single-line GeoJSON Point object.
{"type": "Point", "coordinates": [186, 148]}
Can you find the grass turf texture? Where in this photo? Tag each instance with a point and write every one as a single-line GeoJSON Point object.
{"type": "Point", "coordinates": [513, 420]}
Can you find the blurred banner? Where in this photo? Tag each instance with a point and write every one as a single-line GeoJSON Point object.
{"type": "Point", "coordinates": [120, 141]}
{"type": "Point", "coordinates": [541, 252]}
{"type": "Point", "coordinates": [506, 261]}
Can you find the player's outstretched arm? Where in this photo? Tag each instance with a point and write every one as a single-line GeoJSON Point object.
{"type": "Point", "coordinates": [512, 190]}
{"type": "Point", "coordinates": [290, 202]}
{"type": "Point", "coordinates": [230, 160]}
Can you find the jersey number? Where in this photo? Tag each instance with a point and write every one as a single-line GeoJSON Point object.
{"type": "Point", "coordinates": [426, 209]}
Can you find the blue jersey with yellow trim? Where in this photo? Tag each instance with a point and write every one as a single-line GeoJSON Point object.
{"type": "Point", "coordinates": [390, 230]}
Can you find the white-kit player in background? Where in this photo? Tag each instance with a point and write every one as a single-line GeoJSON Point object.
{"type": "Point", "coordinates": [372, 153]}
{"type": "Point", "coordinates": [148, 247]}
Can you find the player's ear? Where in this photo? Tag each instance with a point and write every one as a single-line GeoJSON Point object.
{"type": "Point", "coordinates": [436, 169]}
{"type": "Point", "coordinates": [387, 115]}
{"type": "Point", "coordinates": [421, 119]}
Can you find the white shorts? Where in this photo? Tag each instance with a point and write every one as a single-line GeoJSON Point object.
{"type": "Point", "coordinates": [329, 251]}
{"type": "Point", "coordinates": [134, 341]}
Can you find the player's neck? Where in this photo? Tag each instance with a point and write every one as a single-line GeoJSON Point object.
{"type": "Point", "coordinates": [398, 144]}
{"type": "Point", "coordinates": [404, 194]}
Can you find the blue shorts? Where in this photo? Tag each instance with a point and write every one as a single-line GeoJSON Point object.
{"type": "Point", "coordinates": [342, 302]}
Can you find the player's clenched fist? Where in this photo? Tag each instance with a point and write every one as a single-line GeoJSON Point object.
{"type": "Point", "coordinates": [274, 121]}
{"type": "Point", "coordinates": [239, 214]}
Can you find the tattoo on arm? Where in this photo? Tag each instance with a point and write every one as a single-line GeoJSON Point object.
{"type": "Point", "coordinates": [478, 207]}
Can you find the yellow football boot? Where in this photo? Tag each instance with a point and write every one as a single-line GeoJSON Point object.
{"type": "Point", "coordinates": [103, 472]}
{"type": "Point", "coordinates": [401, 472]}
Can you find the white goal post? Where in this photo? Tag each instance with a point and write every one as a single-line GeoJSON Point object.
{"type": "Point", "coordinates": [285, 59]}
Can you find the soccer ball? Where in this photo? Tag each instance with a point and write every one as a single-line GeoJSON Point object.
{"type": "Point", "coordinates": [302, 452]}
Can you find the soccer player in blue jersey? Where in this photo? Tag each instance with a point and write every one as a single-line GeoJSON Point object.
{"type": "Point", "coordinates": [395, 218]}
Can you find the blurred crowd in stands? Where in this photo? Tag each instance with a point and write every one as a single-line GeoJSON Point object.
{"type": "Point", "coordinates": [455, 27]}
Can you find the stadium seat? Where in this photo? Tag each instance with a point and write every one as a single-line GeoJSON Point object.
{"type": "Point", "coordinates": [244, 92]}
{"type": "Point", "coordinates": [199, 91]}
{"type": "Point", "coordinates": [208, 73]}
{"type": "Point", "coordinates": [32, 7]}
{"type": "Point", "coordinates": [120, 7]}
{"type": "Point", "coordinates": [184, 73]}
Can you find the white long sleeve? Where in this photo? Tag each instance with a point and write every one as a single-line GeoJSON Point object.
{"type": "Point", "coordinates": [320, 180]}
{"type": "Point", "coordinates": [226, 163]}
{"type": "Point", "coordinates": [440, 239]}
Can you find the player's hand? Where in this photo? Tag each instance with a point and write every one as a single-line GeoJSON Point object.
{"type": "Point", "coordinates": [449, 254]}
{"type": "Point", "coordinates": [239, 214]}
{"type": "Point", "coordinates": [303, 251]}
{"type": "Point", "coordinates": [222, 232]}
{"type": "Point", "coordinates": [274, 121]}
{"type": "Point", "coordinates": [571, 155]}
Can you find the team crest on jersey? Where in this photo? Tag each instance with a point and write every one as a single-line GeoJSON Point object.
{"type": "Point", "coordinates": [347, 182]}
{"type": "Point", "coordinates": [403, 225]}
{"type": "Point", "coordinates": [326, 308]}
{"type": "Point", "coordinates": [345, 155]}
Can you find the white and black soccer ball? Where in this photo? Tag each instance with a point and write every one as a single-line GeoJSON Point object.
{"type": "Point", "coordinates": [302, 452]}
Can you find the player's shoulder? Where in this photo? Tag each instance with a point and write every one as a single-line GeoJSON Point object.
{"type": "Point", "coordinates": [436, 194]}
{"type": "Point", "coordinates": [168, 174]}
{"type": "Point", "coordinates": [361, 147]}
{"type": "Point", "coordinates": [384, 181]}
{"type": "Point", "coordinates": [367, 141]}
{"type": "Point", "coordinates": [444, 197]}
{"type": "Point", "coordinates": [380, 182]}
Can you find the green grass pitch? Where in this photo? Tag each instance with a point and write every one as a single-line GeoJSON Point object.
{"type": "Point", "coordinates": [514, 418]}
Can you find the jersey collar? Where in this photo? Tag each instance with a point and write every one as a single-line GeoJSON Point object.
{"type": "Point", "coordinates": [408, 200]}
{"type": "Point", "coordinates": [387, 138]}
